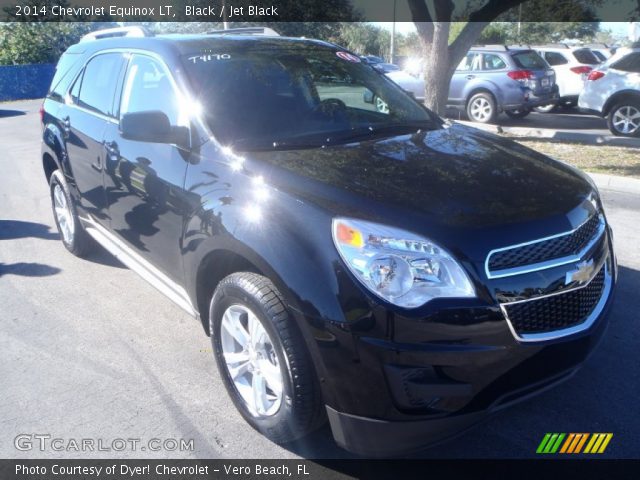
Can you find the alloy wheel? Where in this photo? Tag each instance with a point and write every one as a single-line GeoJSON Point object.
{"type": "Point", "coordinates": [481, 109]}
{"type": "Point", "coordinates": [63, 214]}
{"type": "Point", "coordinates": [626, 119]}
{"type": "Point", "coordinates": [251, 361]}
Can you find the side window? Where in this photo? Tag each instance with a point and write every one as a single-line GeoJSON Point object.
{"type": "Point", "coordinates": [630, 63]}
{"type": "Point", "coordinates": [493, 62]}
{"type": "Point", "coordinates": [555, 58]}
{"type": "Point", "coordinates": [147, 87]}
{"type": "Point", "coordinates": [75, 90]}
{"type": "Point", "coordinates": [467, 62]}
{"type": "Point", "coordinates": [98, 83]}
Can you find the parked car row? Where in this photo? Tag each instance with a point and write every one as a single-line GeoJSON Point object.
{"type": "Point", "coordinates": [516, 80]}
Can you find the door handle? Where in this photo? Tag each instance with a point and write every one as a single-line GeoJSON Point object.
{"type": "Point", "coordinates": [469, 77]}
{"type": "Point", "coordinates": [66, 125]}
{"type": "Point", "coordinates": [111, 148]}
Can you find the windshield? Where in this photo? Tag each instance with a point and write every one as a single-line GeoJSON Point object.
{"type": "Point", "coordinates": [270, 94]}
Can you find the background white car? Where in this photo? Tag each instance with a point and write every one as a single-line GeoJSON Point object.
{"type": "Point", "coordinates": [613, 91]}
{"type": "Point", "coordinates": [572, 66]}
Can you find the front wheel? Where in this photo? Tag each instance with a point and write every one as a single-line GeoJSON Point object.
{"type": "Point", "coordinates": [263, 359]}
{"type": "Point", "coordinates": [518, 113]}
{"type": "Point", "coordinates": [624, 119]}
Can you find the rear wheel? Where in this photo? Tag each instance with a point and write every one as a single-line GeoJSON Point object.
{"type": "Point", "coordinates": [624, 119]}
{"type": "Point", "coordinates": [263, 360]}
{"type": "Point", "coordinates": [482, 108]}
{"type": "Point", "coordinates": [74, 236]}
{"type": "Point", "coordinates": [518, 113]}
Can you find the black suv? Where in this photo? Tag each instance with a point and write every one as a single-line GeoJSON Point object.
{"type": "Point", "coordinates": [397, 274]}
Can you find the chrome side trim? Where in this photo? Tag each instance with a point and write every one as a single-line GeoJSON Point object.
{"type": "Point", "coordinates": [139, 265]}
{"type": "Point", "coordinates": [556, 262]}
{"type": "Point", "coordinates": [544, 336]}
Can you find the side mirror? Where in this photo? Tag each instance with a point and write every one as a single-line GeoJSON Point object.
{"type": "Point", "coordinates": [152, 126]}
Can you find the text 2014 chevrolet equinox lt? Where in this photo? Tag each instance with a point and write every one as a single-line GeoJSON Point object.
{"type": "Point", "coordinates": [399, 275]}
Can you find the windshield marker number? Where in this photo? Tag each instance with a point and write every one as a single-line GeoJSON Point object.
{"type": "Point", "coordinates": [207, 57]}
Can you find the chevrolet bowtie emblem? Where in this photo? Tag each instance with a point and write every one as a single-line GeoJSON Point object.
{"type": "Point", "coordinates": [582, 273]}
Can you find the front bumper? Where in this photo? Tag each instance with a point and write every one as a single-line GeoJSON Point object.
{"type": "Point", "coordinates": [431, 409]}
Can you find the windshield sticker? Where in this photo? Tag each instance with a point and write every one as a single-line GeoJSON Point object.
{"type": "Point", "coordinates": [207, 57]}
{"type": "Point", "coordinates": [348, 57]}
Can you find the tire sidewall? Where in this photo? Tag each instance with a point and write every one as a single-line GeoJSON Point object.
{"type": "Point", "coordinates": [226, 296]}
{"type": "Point", "coordinates": [57, 178]}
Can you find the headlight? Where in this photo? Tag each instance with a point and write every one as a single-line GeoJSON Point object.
{"type": "Point", "coordinates": [398, 266]}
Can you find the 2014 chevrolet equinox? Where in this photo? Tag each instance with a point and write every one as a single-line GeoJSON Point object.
{"type": "Point", "coordinates": [398, 274]}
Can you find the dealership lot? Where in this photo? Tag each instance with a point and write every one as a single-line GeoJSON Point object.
{"type": "Point", "coordinates": [90, 351]}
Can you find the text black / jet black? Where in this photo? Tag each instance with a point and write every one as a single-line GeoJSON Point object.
{"type": "Point", "coordinates": [351, 255]}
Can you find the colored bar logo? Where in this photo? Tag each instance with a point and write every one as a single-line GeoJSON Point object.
{"type": "Point", "coordinates": [574, 443]}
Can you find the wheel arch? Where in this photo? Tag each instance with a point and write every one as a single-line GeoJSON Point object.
{"type": "Point", "coordinates": [618, 97]}
{"type": "Point", "coordinates": [483, 88]}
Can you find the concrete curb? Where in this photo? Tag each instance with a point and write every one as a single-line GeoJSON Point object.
{"type": "Point", "coordinates": [558, 135]}
{"type": "Point", "coordinates": [617, 184]}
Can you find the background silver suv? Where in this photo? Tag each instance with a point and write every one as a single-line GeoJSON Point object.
{"type": "Point", "coordinates": [492, 79]}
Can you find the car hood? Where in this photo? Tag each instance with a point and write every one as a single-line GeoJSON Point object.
{"type": "Point", "coordinates": [453, 179]}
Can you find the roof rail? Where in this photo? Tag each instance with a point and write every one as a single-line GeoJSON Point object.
{"type": "Point", "coordinates": [553, 45]}
{"type": "Point", "coordinates": [502, 48]}
{"type": "Point", "coordinates": [246, 31]}
{"type": "Point", "coordinates": [519, 46]}
{"type": "Point", "coordinates": [135, 31]}
{"type": "Point", "coordinates": [596, 45]}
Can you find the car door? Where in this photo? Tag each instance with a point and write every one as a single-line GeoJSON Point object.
{"type": "Point", "coordinates": [462, 75]}
{"type": "Point", "coordinates": [144, 179]}
{"type": "Point", "coordinates": [88, 109]}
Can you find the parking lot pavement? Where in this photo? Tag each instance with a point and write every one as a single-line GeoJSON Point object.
{"type": "Point", "coordinates": [89, 350]}
{"type": "Point", "coordinates": [567, 125]}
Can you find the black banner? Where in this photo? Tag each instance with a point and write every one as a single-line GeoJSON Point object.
{"type": "Point", "coordinates": [318, 10]}
{"type": "Point", "coordinates": [584, 469]}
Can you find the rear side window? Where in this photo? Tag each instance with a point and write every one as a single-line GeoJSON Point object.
{"type": "Point", "coordinates": [98, 83]}
{"type": "Point", "coordinates": [585, 56]}
{"type": "Point", "coordinates": [555, 58]}
{"type": "Point", "coordinates": [63, 75]}
{"type": "Point", "coordinates": [492, 62]}
{"type": "Point", "coordinates": [630, 63]}
{"type": "Point", "coordinates": [529, 59]}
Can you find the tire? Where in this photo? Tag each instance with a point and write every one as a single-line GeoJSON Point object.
{"type": "Point", "coordinates": [481, 108]}
{"type": "Point", "coordinates": [520, 113]}
{"type": "Point", "coordinates": [624, 118]}
{"type": "Point", "coordinates": [546, 108]}
{"type": "Point", "coordinates": [243, 299]}
{"type": "Point", "coordinates": [73, 235]}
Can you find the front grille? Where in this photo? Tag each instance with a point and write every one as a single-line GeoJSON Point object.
{"type": "Point", "coordinates": [556, 312]}
{"type": "Point", "coordinates": [545, 250]}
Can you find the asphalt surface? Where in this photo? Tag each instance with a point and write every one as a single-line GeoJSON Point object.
{"type": "Point", "coordinates": [564, 119]}
{"type": "Point", "coordinates": [88, 350]}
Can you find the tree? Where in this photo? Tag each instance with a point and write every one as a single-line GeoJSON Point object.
{"type": "Point", "coordinates": [433, 18]}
